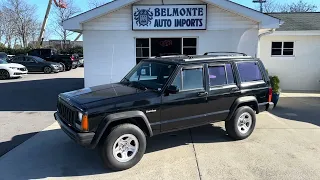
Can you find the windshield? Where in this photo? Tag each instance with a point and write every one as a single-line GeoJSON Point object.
{"type": "Point", "coordinates": [149, 75]}
{"type": "Point", "coordinates": [3, 61]}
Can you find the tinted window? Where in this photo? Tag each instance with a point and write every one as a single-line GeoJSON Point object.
{"type": "Point", "coordinates": [189, 79]}
{"type": "Point", "coordinates": [46, 52]}
{"type": "Point", "coordinates": [217, 76]}
{"type": "Point", "coordinates": [18, 59]}
{"type": "Point", "coordinates": [28, 59]}
{"type": "Point", "coordinates": [249, 71]}
{"type": "Point", "coordinates": [230, 74]}
{"type": "Point", "coordinates": [35, 52]}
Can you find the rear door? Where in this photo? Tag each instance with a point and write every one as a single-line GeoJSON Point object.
{"type": "Point", "coordinates": [223, 90]}
{"type": "Point", "coordinates": [186, 108]}
{"type": "Point", "coordinates": [253, 81]}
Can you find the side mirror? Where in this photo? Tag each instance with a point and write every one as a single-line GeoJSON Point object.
{"type": "Point", "coordinates": [172, 89]}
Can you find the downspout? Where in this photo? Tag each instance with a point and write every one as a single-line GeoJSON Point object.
{"type": "Point", "coordinates": [270, 31]}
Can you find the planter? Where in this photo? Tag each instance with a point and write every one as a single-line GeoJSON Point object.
{"type": "Point", "coordinates": [275, 98]}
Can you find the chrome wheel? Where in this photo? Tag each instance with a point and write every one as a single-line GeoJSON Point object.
{"type": "Point", "coordinates": [244, 122]}
{"type": "Point", "coordinates": [125, 148]}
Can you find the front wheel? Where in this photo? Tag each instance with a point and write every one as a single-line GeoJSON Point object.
{"type": "Point", "coordinates": [47, 70]}
{"type": "Point", "coordinates": [242, 124]}
{"type": "Point", "coordinates": [4, 74]}
{"type": "Point", "coordinates": [123, 147]}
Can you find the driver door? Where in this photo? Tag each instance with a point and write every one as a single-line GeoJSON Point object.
{"type": "Point", "coordinates": [187, 108]}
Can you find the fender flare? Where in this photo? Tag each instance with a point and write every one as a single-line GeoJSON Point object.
{"type": "Point", "coordinates": [240, 100]}
{"type": "Point", "coordinates": [116, 117]}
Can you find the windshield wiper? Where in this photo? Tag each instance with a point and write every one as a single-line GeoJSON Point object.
{"type": "Point", "coordinates": [139, 85]}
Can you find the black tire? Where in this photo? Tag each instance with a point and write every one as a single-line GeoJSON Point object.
{"type": "Point", "coordinates": [4, 74]}
{"type": "Point", "coordinates": [68, 67]}
{"type": "Point", "coordinates": [108, 144]}
{"type": "Point", "coordinates": [47, 70]}
{"type": "Point", "coordinates": [232, 125]}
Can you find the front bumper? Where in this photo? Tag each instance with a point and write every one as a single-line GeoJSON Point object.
{"type": "Point", "coordinates": [17, 73]}
{"type": "Point", "coordinates": [84, 139]}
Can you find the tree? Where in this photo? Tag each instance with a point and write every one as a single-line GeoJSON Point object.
{"type": "Point", "coordinates": [299, 6]}
{"type": "Point", "coordinates": [96, 3]}
{"type": "Point", "coordinates": [20, 20]}
{"type": "Point", "coordinates": [270, 6]}
{"type": "Point", "coordinates": [62, 14]}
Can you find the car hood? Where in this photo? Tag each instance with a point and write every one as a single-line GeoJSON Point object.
{"type": "Point", "coordinates": [104, 94]}
{"type": "Point", "coordinates": [12, 65]}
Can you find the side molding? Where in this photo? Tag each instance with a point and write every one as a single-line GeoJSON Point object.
{"type": "Point", "coordinates": [116, 117]}
{"type": "Point", "coordinates": [241, 100]}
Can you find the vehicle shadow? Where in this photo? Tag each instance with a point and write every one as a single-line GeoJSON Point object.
{"type": "Point", "coordinates": [53, 154]}
{"type": "Point", "coordinates": [35, 95]}
{"type": "Point", "coordinates": [303, 109]}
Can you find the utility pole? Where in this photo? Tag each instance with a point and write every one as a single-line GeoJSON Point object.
{"type": "Point", "coordinates": [261, 3]}
{"type": "Point", "coordinates": [40, 40]}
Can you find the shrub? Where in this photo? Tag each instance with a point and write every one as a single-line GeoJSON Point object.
{"type": "Point", "coordinates": [275, 84]}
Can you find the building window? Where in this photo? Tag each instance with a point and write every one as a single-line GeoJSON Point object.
{"type": "Point", "coordinates": [282, 48]}
{"type": "Point", "coordinates": [142, 49]}
{"type": "Point", "coordinates": [249, 71]}
{"type": "Point", "coordinates": [189, 46]}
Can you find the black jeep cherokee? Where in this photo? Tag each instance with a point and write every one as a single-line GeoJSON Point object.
{"type": "Point", "coordinates": [165, 94]}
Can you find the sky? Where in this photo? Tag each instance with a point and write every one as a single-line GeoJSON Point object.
{"type": "Point", "coordinates": [83, 5]}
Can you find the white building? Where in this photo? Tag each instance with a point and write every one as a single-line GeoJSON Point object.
{"type": "Point", "coordinates": [119, 34]}
{"type": "Point", "coordinates": [292, 52]}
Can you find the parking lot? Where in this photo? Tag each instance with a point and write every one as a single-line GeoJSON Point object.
{"type": "Point", "coordinates": [284, 145]}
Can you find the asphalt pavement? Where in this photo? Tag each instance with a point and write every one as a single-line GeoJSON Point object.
{"type": "Point", "coordinates": [27, 104]}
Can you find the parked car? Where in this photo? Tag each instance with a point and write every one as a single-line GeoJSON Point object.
{"type": "Point", "coordinates": [36, 64]}
{"type": "Point", "coordinates": [68, 61]}
{"type": "Point", "coordinates": [81, 62]}
{"type": "Point", "coordinates": [3, 56]}
{"type": "Point", "coordinates": [10, 70]}
{"type": "Point", "coordinates": [166, 94]}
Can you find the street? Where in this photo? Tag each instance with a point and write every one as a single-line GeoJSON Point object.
{"type": "Point", "coordinates": [27, 104]}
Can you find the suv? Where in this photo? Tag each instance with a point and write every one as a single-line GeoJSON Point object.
{"type": "Point", "coordinates": [68, 61]}
{"type": "Point", "coordinates": [165, 94]}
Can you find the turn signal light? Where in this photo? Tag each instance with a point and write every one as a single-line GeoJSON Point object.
{"type": "Point", "coordinates": [270, 95]}
{"type": "Point", "coordinates": [85, 123]}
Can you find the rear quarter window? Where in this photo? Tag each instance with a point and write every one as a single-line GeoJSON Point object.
{"type": "Point", "coordinates": [249, 71]}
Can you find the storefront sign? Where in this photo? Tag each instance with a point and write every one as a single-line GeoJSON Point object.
{"type": "Point", "coordinates": [166, 17]}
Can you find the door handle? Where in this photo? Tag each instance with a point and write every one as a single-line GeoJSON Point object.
{"type": "Point", "coordinates": [201, 94]}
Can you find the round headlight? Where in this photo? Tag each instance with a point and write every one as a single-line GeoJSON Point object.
{"type": "Point", "coordinates": [80, 116]}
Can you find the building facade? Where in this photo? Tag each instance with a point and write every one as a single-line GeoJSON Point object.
{"type": "Point", "coordinates": [117, 35]}
{"type": "Point", "coordinates": [292, 52]}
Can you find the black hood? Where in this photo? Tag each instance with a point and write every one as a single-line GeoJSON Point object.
{"type": "Point", "coordinates": [109, 94]}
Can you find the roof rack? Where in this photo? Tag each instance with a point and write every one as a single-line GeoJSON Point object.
{"type": "Point", "coordinates": [222, 53]}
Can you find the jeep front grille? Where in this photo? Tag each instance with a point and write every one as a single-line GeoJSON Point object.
{"type": "Point", "coordinates": [68, 115]}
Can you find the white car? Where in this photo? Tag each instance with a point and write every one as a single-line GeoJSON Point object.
{"type": "Point", "coordinates": [9, 70]}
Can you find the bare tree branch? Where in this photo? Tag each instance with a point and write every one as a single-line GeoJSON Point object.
{"type": "Point", "coordinates": [96, 3]}
{"type": "Point", "coordinates": [299, 6]}
{"type": "Point", "coordinates": [62, 15]}
{"type": "Point", "coordinates": [20, 21]}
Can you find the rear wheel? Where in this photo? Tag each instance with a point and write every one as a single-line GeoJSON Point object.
{"type": "Point", "coordinates": [68, 67]}
{"type": "Point", "coordinates": [123, 147]}
{"type": "Point", "coordinates": [4, 74]}
{"type": "Point", "coordinates": [242, 124]}
{"type": "Point", "coordinates": [47, 70]}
